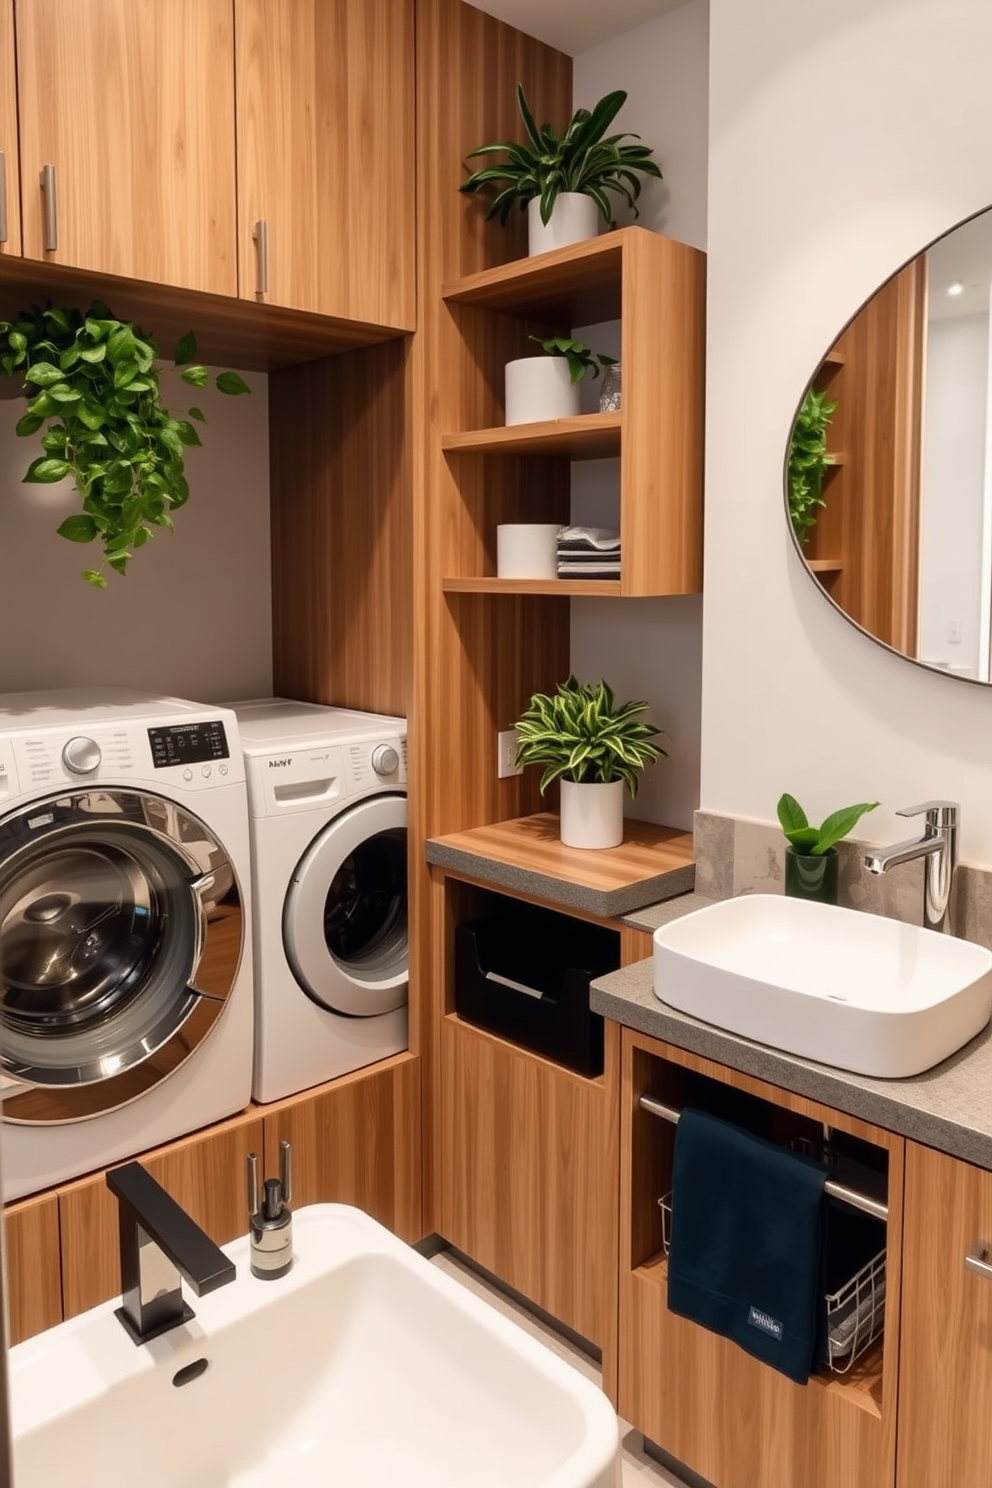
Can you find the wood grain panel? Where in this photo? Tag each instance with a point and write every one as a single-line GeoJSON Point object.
{"type": "Point", "coordinates": [945, 1428]}
{"type": "Point", "coordinates": [32, 1262]}
{"type": "Point", "coordinates": [342, 531]}
{"type": "Point", "coordinates": [356, 1141]}
{"type": "Point", "coordinates": [661, 473]}
{"type": "Point", "coordinates": [205, 1173]}
{"type": "Point", "coordinates": [477, 657]}
{"type": "Point", "coordinates": [870, 524]}
{"type": "Point", "coordinates": [574, 588]}
{"type": "Point", "coordinates": [529, 1161]}
{"type": "Point", "coordinates": [8, 130]}
{"type": "Point", "coordinates": [229, 332]}
{"type": "Point", "coordinates": [146, 183]}
{"type": "Point", "coordinates": [532, 844]}
{"type": "Point", "coordinates": [704, 1400]}
{"type": "Point", "coordinates": [325, 109]}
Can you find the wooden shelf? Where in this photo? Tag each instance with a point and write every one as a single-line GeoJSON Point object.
{"type": "Point", "coordinates": [561, 588]}
{"type": "Point", "coordinates": [825, 565]}
{"type": "Point", "coordinates": [591, 436]}
{"type": "Point", "coordinates": [861, 1387]}
{"type": "Point", "coordinates": [833, 359]}
{"type": "Point", "coordinates": [580, 284]}
{"type": "Point", "coordinates": [229, 332]}
{"type": "Point", "coordinates": [526, 855]}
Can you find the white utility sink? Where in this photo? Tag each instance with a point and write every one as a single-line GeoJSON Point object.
{"type": "Point", "coordinates": [365, 1367]}
{"type": "Point", "coordinates": [853, 990]}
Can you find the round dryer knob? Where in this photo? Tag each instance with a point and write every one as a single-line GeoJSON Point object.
{"type": "Point", "coordinates": [81, 755]}
{"type": "Point", "coordinates": [385, 760]}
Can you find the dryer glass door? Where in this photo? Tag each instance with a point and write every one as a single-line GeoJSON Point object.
{"type": "Point", "coordinates": [120, 936]}
{"type": "Point", "coordinates": [345, 917]}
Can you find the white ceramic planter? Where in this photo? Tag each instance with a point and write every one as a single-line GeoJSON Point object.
{"type": "Point", "coordinates": [592, 815]}
{"type": "Point", "coordinates": [574, 217]}
{"type": "Point", "coordinates": [527, 550]}
{"type": "Point", "coordinates": [539, 388]}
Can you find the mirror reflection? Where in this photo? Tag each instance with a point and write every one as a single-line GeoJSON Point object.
{"type": "Point", "coordinates": [889, 472]}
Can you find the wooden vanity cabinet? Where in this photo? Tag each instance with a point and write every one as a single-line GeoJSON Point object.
{"type": "Point", "coordinates": [32, 1266]}
{"type": "Point", "coordinates": [724, 1414]}
{"type": "Point", "coordinates": [325, 129]}
{"type": "Point", "coordinates": [945, 1423]}
{"type": "Point", "coordinates": [10, 177]}
{"type": "Point", "coordinates": [132, 103]}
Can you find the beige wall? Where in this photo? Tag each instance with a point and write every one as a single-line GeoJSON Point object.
{"type": "Point", "coordinates": [192, 618]}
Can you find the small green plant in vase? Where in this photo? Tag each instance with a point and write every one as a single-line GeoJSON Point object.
{"type": "Point", "coordinates": [811, 856]}
{"type": "Point", "coordinates": [545, 387]}
{"type": "Point", "coordinates": [568, 175]}
{"type": "Point", "coordinates": [582, 360]}
{"type": "Point", "coordinates": [93, 384]}
{"type": "Point", "coordinates": [582, 738]}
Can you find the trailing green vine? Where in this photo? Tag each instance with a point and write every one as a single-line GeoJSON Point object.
{"type": "Point", "coordinates": [808, 461]}
{"type": "Point", "coordinates": [94, 388]}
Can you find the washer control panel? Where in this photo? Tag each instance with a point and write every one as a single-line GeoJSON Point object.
{"type": "Point", "coordinates": [284, 781]}
{"type": "Point", "coordinates": [188, 756]}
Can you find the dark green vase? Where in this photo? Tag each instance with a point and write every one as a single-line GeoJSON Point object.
{"type": "Point", "coordinates": [811, 875]}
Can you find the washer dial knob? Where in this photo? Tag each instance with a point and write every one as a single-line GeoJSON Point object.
{"type": "Point", "coordinates": [81, 755]}
{"type": "Point", "coordinates": [385, 760]}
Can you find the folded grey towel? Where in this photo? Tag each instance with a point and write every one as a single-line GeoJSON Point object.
{"type": "Point", "coordinates": [588, 539]}
{"type": "Point", "coordinates": [588, 570]}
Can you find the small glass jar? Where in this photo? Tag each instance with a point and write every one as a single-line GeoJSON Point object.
{"type": "Point", "coordinates": [609, 391]}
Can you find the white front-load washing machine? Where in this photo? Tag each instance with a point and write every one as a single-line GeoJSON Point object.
{"type": "Point", "coordinates": [327, 797]}
{"type": "Point", "coordinates": [126, 1004]}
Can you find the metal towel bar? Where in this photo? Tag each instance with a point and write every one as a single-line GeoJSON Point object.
{"type": "Point", "coordinates": [836, 1190]}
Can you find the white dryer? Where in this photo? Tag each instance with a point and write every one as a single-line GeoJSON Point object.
{"type": "Point", "coordinates": [327, 797]}
{"type": "Point", "coordinates": [125, 949]}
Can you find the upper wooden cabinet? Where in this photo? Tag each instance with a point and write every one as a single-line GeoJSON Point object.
{"type": "Point", "coordinates": [132, 103]}
{"type": "Point", "coordinates": [10, 200]}
{"type": "Point", "coordinates": [325, 110]}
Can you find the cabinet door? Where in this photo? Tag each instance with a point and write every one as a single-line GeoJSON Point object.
{"type": "Point", "coordinates": [31, 1266]}
{"type": "Point", "coordinates": [945, 1427]}
{"type": "Point", "coordinates": [132, 103]}
{"type": "Point", "coordinates": [204, 1173]}
{"type": "Point", "coordinates": [356, 1141]}
{"type": "Point", "coordinates": [10, 196]}
{"type": "Point", "coordinates": [326, 156]}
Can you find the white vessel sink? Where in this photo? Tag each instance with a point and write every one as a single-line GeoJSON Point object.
{"type": "Point", "coordinates": [365, 1367]}
{"type": "Point", "coordinates": [853, 990]}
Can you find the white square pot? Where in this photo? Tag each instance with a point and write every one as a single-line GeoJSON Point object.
{"type": "Point", "coordinates": [574, 217]}
{"type": "Point", "coordinates": [592, 815]}
{"type": "Point", "coordinates": [539, 388]}
{"type": "Point", "coordinates": [527, 550]}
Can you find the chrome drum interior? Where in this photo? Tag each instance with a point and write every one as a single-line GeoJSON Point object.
{"type": "Point", "coordinates": [120, 939]}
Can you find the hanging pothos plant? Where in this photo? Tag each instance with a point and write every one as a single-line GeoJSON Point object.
{"type": "Point", "coordinates": [93, 386]}
{"type": "Point", "coordinates": [808, 461]}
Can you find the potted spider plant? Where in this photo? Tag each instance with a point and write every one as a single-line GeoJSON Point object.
{"type": "Point", "coordinates": [548, 386]}
{"type": "Point", "coordinates": [562, 177]}
{"type": "Point", "coordinates": [93, 385]}
{"type": "Point", "coordinates": [811, 863]}
{"type": "Point", "coordinates": [594, 748]}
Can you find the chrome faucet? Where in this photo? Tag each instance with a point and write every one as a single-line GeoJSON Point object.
{"type": "Point", "coordinates": [159, 1245]}
{"type": "Point", "coordinates": [939, 846]}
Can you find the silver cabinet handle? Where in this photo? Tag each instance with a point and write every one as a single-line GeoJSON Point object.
{"type": "Point", "coordinates": [51, 208]}
{"type": "Point", "coordinates": [260, 237]}
{"type": "Point", "coordinates": [977, 1260]}
{"type": "Point", "coordinates": [3, 197]}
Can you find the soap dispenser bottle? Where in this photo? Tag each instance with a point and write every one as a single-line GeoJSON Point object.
{"type": "Point", "coordinates": [270, 1217]}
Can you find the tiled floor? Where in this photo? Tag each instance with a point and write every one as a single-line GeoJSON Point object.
{"type": "Point", "coordinates": [639, 1470]}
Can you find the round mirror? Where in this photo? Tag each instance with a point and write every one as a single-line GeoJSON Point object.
{"type": "Point", "coordinates": [889, 468]}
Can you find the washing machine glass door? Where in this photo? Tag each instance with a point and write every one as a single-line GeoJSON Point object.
{"type": "Point", "coordinates": [120, 938]}
{"type": "Point", "coordinates": [345, 917]}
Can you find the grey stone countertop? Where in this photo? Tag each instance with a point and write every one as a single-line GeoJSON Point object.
{"type": "Point", "coordinates": [948, 1107]}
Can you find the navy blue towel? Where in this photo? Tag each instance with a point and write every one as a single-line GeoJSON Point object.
{"type": "Point", "coordinates": [746, 1241]}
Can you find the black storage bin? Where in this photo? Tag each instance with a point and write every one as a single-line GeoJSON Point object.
{"type": "Point", "coordinates": [523, 972]}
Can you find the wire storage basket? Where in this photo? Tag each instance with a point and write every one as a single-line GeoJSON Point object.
{"type": "Point", "coordinates": [855, 1311]}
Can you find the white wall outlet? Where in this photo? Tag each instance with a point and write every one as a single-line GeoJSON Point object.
{"type": "Point", "coordinates": [954, 632]}
{"type": "Point", "coordinates": [506, 754]}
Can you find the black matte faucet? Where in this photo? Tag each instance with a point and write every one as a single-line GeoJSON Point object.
{"type": "Point", "coordinates": [159, 1245]}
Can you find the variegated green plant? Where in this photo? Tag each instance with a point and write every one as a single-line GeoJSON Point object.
{"type": "Point", "coordinates": [581, 158]}
{"type": "Point", "coordinates": [579, 733]}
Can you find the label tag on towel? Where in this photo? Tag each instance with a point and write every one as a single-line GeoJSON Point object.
{"type": "Point", "coordinates": [758, 1319]}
